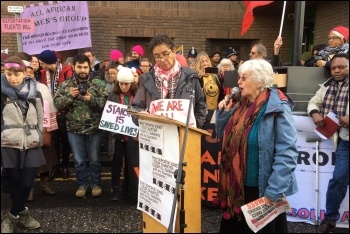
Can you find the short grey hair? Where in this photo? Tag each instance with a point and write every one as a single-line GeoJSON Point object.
{"type": "Point", "coordinates": [226, 61]}
{"type": "Point", "coordinates": [261, 49]}
{"type": "Point", "coordinates": [260, 69]}
{"type": "Point", "coordinates": [69, 60]}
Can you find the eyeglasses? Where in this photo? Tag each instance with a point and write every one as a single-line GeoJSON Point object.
{"type": "Point", "coordinates": [252, 52]}
{"type": "Point", "coordinates": [164, 55]}
{"type": "Point", "coordinates": [332, 38]}
{"type": "Point", "coordinates": [243, 78]}
{"type": "Point", "coordinates": [225, 65]}
{"type": "Point", "coordinates": [340, 67]}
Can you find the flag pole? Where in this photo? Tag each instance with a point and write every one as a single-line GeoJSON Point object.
{"type": "Point", "coordinates": [284, 9]}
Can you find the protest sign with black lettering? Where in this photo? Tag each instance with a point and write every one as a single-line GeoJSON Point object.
{"type": "Point", "coordinates": [115, 118]}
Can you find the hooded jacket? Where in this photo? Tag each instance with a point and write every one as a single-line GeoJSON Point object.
{"type": "Point", "coordinates": [22, 132]}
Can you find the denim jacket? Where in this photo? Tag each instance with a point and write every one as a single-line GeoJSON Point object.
{"type": "Point", "coordinates": [278, 153]}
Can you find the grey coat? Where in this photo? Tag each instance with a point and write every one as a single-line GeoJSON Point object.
{"type": "Point", "coordinates": [148, 92]}
{"type": "Point", "coordinates": [22, 134]}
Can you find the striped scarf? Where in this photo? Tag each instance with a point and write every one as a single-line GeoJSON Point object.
{"type": "Point", "coordinates": [166, 81]}
{"type": "Point", "coordinates": [53, 83]}
{"type": "Point", "coordinates": [234, 153]}
{"type": "Point", "coordinates": [336, 98]}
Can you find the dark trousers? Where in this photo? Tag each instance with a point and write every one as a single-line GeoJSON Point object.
{"type": "Point", "coordinates": [20, 181]}
{"type": "Point", "coordinates": [61, 141]}
{"type": "Point", "coordinates": [117, 165]}
{"type": "Point", "coordinates": [278, 225]}
{"type": "Point", "coordinates": [132, 150]}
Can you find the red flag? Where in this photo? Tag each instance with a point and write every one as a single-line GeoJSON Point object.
{"type": "Point", "coordinates": [248, 17]}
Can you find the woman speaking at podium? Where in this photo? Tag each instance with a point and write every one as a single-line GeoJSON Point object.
{"type": "Point", "coordinates": [169, 80]}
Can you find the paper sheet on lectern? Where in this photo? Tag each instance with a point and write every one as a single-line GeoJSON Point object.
{"type": "Point", "coordinates": [159, 158]}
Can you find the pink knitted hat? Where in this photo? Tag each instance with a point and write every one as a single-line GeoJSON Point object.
{"type": "Point", "coordinates": [138, 49]}
{"type": "Point", "coordinates": [115, 55]}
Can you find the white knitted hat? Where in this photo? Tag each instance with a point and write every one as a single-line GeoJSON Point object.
{"type": "Point", "coordinates": [125, 74]}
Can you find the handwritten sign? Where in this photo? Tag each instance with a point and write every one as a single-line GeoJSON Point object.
{"type": "Point", "coordinates": [16, 25]}
{"type": "Point", "coordinates": [46, 114]}
{"type": "Point", "coordinates": [176, 109]}
{"type": "Point", "coordinates": [116, 119]}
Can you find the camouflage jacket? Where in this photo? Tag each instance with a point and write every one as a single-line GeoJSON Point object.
{"type": "Point", "coordinates": [82, 117]}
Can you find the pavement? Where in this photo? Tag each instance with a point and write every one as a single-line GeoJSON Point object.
{"type": "Point", "coordinates": [63, 213]}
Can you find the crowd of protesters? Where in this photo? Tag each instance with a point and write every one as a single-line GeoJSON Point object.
{"type": "Point", "coordinates": [76, 91]}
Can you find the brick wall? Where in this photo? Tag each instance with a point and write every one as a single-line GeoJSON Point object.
{"type": "Point", "coordinates": [330, 15]}
{"type": "Point", "coordinates": [114, 24]}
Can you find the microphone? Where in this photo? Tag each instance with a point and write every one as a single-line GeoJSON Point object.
{"type": "Point", "coordinates": [234, 92]}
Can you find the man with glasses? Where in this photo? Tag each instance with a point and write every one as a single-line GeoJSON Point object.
{"type": "Point", "coordinates": [259, 51]}
{"type": "Point", "coordinates": [169, 80]}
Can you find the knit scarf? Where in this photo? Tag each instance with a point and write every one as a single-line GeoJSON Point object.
{"type": "Point", "coordinates": [126, 98]}
{"type": "Point", "coordinates": [21, 93]}
{"type": "Point", "coordinates": [53, 83]}
{"type": "Point", "coordinates": [166, 81]}
{"type": "Point", "coordinates": [329, 51]}
{"type": "Point", "coordinates": [234, 153]}
{"type": "Point", "coordinates": [336, 98]}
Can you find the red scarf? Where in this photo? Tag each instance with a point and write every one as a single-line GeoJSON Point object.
{"type": "Point", "coordinates": [122, 99]}
{"type": "Point", "coordinates": [234, 153]}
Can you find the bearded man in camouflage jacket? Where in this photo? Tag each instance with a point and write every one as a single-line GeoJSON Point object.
{"type": "Point", "coordinates": [84, 100]}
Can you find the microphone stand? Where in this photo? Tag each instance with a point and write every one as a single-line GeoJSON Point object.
{"type": "Point", "coordinates": [179, 175]}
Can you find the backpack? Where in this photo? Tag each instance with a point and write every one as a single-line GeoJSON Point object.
{"type": "Point", "coordinates": [5, 102]}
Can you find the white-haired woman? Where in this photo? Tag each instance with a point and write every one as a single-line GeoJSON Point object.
{"type": "Point", "coordinates": [259, 154]}
{"type": "Point", "coordinates": [225, 65]}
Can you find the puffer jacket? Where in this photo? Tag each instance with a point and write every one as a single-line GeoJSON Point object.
{"type": "Point", "coordinates": [278, 153]}
{"type": "Point", "coordinates": [188, 82]}
{"type": "Point", "coordinates": [82, 117]}
{"type": "Point", "coordinates": [18, 133]}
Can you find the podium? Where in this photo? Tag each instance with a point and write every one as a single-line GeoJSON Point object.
{"type": "Point", "coordinates": [192, 194]}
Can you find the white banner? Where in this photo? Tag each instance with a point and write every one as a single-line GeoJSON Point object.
{"type": "Point", "coordinates": [302, 203]}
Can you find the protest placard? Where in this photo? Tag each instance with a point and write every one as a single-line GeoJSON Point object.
{"type": "Point", "coordinates": [46, 114]}
{"type": "Point", "coordinates": [57, 26]}
{"type": "Point", "coordinates": [116, 119]}
{"type": "Point", "coordinates": [176, 109]}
